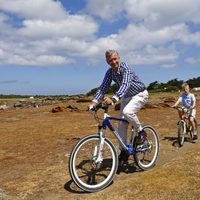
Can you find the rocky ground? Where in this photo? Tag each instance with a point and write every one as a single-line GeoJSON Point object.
{"type": "Point", "coordinates": [36, 144]}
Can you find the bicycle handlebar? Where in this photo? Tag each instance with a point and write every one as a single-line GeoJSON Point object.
{"type": "Point", "coordinates": [182, 108]}
{"type": "Point", "coordinates": [178, 107]}
{"type": "Point", "coordinates": [99, 106]}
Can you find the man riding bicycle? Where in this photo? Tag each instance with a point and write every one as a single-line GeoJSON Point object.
{"type": "Point", "coordinates": [188, 100]}
{"type": "Point", "coordinates": [132, 92]}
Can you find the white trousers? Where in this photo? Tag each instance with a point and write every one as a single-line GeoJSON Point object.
{"type": "Point", "coordinates": [129, 107]}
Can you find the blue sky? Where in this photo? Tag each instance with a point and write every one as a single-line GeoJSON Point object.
{"type": "Point", "coordinates": [53, 47]}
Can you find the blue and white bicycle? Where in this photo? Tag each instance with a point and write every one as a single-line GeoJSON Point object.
{"type": "Point", "coordinates": [93, 162]}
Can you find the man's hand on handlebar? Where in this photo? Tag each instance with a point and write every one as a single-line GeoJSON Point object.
{"type": "Point", "coordinates": [92, 106]}
{"type": "Point", "coordinates": [108, 101]}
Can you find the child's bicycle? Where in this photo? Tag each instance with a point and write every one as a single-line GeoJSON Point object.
{"type": "Point", "coordinates": [184, 126]}
{"type": "Point", "coordinates": [93, 162]}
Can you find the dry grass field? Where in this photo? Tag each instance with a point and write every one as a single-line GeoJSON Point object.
{"type": "Point", "coordinates": [36, 143]}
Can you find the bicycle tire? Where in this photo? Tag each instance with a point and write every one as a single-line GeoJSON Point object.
{"type": "Point", "coordinates": [146, 155]}
{"type": "Point", "coordinates": [181, 134]}
{"type": "Point", "coordinates": [86, 175]}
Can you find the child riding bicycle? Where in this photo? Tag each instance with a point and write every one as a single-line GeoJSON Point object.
{"type": "Point", "coordinates": [188, 100]}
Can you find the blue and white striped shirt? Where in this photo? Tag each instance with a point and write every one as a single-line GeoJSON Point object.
{"type": "Point", "coordinates": [128, 82]}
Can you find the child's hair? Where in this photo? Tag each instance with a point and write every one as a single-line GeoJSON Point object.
{"type": "Point", "coordinates": [184, 85]}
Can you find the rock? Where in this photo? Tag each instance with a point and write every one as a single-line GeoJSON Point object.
{"type": "Point", "coordinates": [83, 100]}
{"type": "Point", "coordinates": [3, 107]}
{"type": "Point", "coordinates": [169, 100]}
{"type": "Point", "coordinates": [72, 107]}
{"type": "Point", "coordinates": [164, 105]}
{"type": "Point", "coordinates": [57, 109]}
{"type": "Point", "coordinates": [17, 105]}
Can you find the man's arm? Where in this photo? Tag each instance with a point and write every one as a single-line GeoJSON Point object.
{"type": "Point", "coordinates": [104, 86]}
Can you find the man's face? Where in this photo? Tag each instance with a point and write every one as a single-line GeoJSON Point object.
{"type": "Point", "coordinates": [113, 60]}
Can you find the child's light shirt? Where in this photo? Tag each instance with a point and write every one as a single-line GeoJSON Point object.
{"type": "Point", "coordinates": [187, 100]}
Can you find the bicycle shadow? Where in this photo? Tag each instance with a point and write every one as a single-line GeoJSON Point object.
{"type": "Point", "coordinates": [128, 168]}
{"type": "Point", "coordinates": [175, 140]}
{"type": "Point", "coordinates": [69, 187]}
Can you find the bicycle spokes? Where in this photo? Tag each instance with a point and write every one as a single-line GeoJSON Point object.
{"type": "Point", "coordinates": [92, 166]}
{"type": "Point", "coordinates": [146, 154]}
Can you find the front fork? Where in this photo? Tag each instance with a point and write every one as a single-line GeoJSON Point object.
{"type": "Point", "coordinates": [98, 149]}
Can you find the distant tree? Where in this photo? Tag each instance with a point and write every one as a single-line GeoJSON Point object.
{"type": "Point", "coordinates": [92, 92]}
{"type": "Point", "coordinates": [195, 82]}
{"type": "Point", "coordinates": [154, 85]}
{"type": "Point", "coordinates": [171, 85]}
{"type": "Point", "coordinates": [175, 82]}
{"type": "Point", "coordinates": [111, 90]}
{"type": "Point", "coordinates": [171, 89]}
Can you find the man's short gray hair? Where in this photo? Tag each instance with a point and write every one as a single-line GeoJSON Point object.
{"type": "Point", "coordinates": [110, 52]}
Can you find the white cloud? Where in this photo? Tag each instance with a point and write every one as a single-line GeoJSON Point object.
{"type": "Point", "coordinates": [37, 9]}
{"type": "Point", "coordinates": [136, 36]}
{"type": "Point", "coordinates": [162, 13]}
{"type": "Point", "coordinates": [44, 60]}
{"type": "Point", "coordinates": [152, 55]}
{"type": "Point", "coordinates": [168, 65]}
{"type": "Point", "coordinates": [193, 60]}
{"type": "Point", "coordinates": [28, 53]}
{"type": "Point", "coordinates": [70, 27]}
{"type": "Point", "coordinates": [48, 34]}
{"type": "Point", "coordinates": [19, 57]}
{"type": "Point", "coordinates": [106, 9]}
{"type": "Point", "coordinates": [151, 13]}
{"type": "Point", "coordinates": [155, 23]}
{"type": "Point", "coordinates": [42, 36]}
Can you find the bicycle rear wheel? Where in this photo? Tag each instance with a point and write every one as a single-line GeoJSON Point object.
{"type": "Point", "coordinates": [89, 171]}
{"type": "Point", "coordinates": [146, 154]}
{"type": "Point", "coordinates": [181, 134]}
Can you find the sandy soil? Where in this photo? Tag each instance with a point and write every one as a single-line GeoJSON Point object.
{"type": "Point", "coordinates": [36, 143]}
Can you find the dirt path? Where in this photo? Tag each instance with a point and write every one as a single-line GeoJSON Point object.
{"type": "Point", "coordinates": [35, 147]}
{"type": "Point", "coordinates": [173, 167]}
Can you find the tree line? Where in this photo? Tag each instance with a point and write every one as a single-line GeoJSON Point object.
{"type": "Point", "coordinates": [170, 86]}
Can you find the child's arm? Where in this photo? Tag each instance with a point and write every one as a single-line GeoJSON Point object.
{"type": "Point", "coordinates": [193, 102]}
{"type": "Point", "coordinates": [176, 104]}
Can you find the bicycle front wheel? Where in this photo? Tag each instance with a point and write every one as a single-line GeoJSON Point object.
{"type": "Point", "coordinates": [181, 134]}
{"type": "Point", "coordinates": [90, 168]}
{"type": "Point", "coordinates": [146, 154]}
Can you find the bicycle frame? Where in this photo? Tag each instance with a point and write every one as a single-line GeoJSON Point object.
{"type": "Point", "coordinates": [106, 123]}
{"type": "Point", "coordinates": [185, 120]}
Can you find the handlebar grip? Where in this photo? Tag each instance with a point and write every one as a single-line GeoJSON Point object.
{"type": "Point", "coordinates": [95, 107]}
{"type": "Point", "coordinates": [98, 106]}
